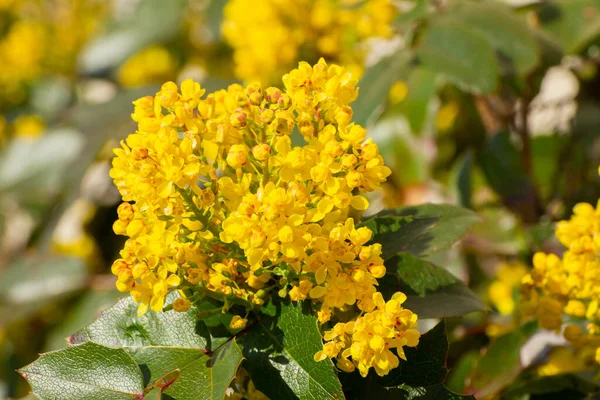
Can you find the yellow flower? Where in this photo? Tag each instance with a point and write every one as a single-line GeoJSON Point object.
{"type": "Point", "coordinates": [223, 204]}
{"type": "Point", "coordinates": [151, 65]}
{"type": "Point", "coordinates": [501, 291]}
{"type": "Point", "coordinates": [369, 339]}
{"type": "Point", "coordinates": [28, 126]}
{"type": "Point", "coordinates": [268, 36]}
{"type": "Point", "coordinates": [398, 92]}
{"type": "Point", "coordinates": [238, 322]}
{"type": "Point", "coordinates": [181, 305]}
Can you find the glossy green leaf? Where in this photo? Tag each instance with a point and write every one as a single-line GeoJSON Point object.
{"type": "Point", "coordinates": [375, 86]}
{"type": "Point", "coordinates": [572, 23]}
{"type": "Point", "coordinates": [88, 371]}
{"type": "Point", "coordinates": [452, 49]}
{"type": "Point", "coordinates": [420, 230]}
{"type": "Point", "coordinates": [170, 347]}
{"type": "Point", "coordinates": [506, 32]}
{"type": "Point", "coordinates": [84, 312]}
{"type": "Point", "coordinates": [279, 355]}
{"type": "Point", "coordinates": [425, 364]}
{"type": "Point", "coordinates": [119, 326]}
{"type": "Point", "coordinates": [422, 87]}
{"type": "Point", "coordinates": [432, 292]}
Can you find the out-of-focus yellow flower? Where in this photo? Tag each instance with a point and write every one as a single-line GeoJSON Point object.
{"type": "Point", "coordinates": [42, 39]}
{"type": "Point", "coordinates": [562, 360]}
{"type": "Point", "coordinates": [28, 126]}
{"type": "Point", "coordinates": [502, 291]}
{"type": "Point", "coordinates": [151, 65]}
{"type": "Point", "coordinates": [269, 36]}
{"type": "Point", "coordinates": [398, 92]}
{"type": "Point", "coordinates": [446, 116]}
{"type": "Point", "coordinates": [181, 305]}
{"type": "Point", "coordinates": [569, 284]}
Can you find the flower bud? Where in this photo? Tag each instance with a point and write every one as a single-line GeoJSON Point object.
{"type": "Point", "coordinates": [273, 95]}
{"type": "Point", "coordinates": [261, 151]}
{"type": "Point", "coordinates": [238, 120]}
{"type": "Point", "coordinates": [237, 155]}
{"type": "Point", "coordinates": [284, 102]}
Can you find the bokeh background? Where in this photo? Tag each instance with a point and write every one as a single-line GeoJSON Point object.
{"type": "Point", "coordinates": [494, 106]}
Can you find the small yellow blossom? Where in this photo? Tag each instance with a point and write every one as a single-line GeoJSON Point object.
{"type": "Point", "coordinates": [398, 92]}
{"type": "Point", "coordinates": [28, 126]}
{"type": "Point", "coordinates": [238, 322]}
{"type": "Point", "coordinates": [502, 291]}
{"type": "Point", "coordinates": [181, 305]}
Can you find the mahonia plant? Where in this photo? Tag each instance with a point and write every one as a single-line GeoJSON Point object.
{"type": "Point", "coordinates": [269, 36]}
{"type": "Point", "coordinates": [563, 293]}
{"type": "Point", "coordinates": [218, 203]}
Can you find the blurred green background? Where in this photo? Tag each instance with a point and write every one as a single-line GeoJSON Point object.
{"type": "Point", "coordinates": [491, 105]}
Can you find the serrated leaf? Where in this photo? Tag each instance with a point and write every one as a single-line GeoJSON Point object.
{"type": "Point", "coordinates": [506, 32]}
{"type": "Point", "coordinates": [200, 375]}
{"type": "Point", "coordinates": [425, 364]}
{"type": "Point", "coordinates": [419, 230]}
{"type": "Point", "coordinates": [88, 371]}
{"type": "Point", "coordinates": [460, 54]}
{"type": "Point", "coordinates": [280, 360]}
{"type": "Point", "coordinates": [432, 292]}
{"type": "Point", "coordinates": [572, 23]}
{"type": "Point", "coordinates": [375, 86]}
{"type": "Point", "coordinates": [169, 349]}
{"type": "Point", "coordinates": [119, 326]}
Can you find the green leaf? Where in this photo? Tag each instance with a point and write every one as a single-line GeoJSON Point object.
{"type": "Point", "coordinates": [279, 355]}
{"type": "Point", "coordinates": [358, 388]}
{"type": "Point", "coordinates": [501, 363]}
{"type": "Point", "coordinates": [200, 375]}
{"type": "Point", "coordinates": [432, 292]}
{"type": "Point", "coordinates": [502, 168]}
{"type": "Point", "coordinates": [461, 55]}
{"type": "Point", "coordinates": [89, 371]}
{"type": "Point", "coordinates": [421, 89]}
{"type": "Point", "coordinates": [172, 349]}
{"type": "Point", "coordinates": [506, 32]}
{"type": "Point", "coordinates": [434, 392]}
{"type": "Point", "coordinates": [375, 86]}
{"type": "Point", "coordinates": [119, 326]}
{"type": "Point", "coordinates": [577, 383]}
{"type": "Point", "coordinates": [31, 283]}
{"type": "Point", "coordinates": [572, 23]}
{"type": "Point", "coordinates": [84, 312]}
{"type": "Point", "coordinates": [43, 174]}
{"type": "Point", "coordinates": [426, 363]}
{"type": "Point", "coordinates": [420, 230]}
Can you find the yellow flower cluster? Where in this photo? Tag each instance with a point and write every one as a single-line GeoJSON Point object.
{"type": "Point", "coordinates": [502, 290]}
{"type": "Point", "coordinates": [40, 39]}
{"type": "Point", "coordinates": [153, 64]}
{"type": "Point", "coordinates": [227, 207]}
{"type": "Point", "coordinates": [569, 285]}
{"type": "Point", "coordinates": [370, 338]}
{"type": "Point", "coordinates": [269, 36]}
